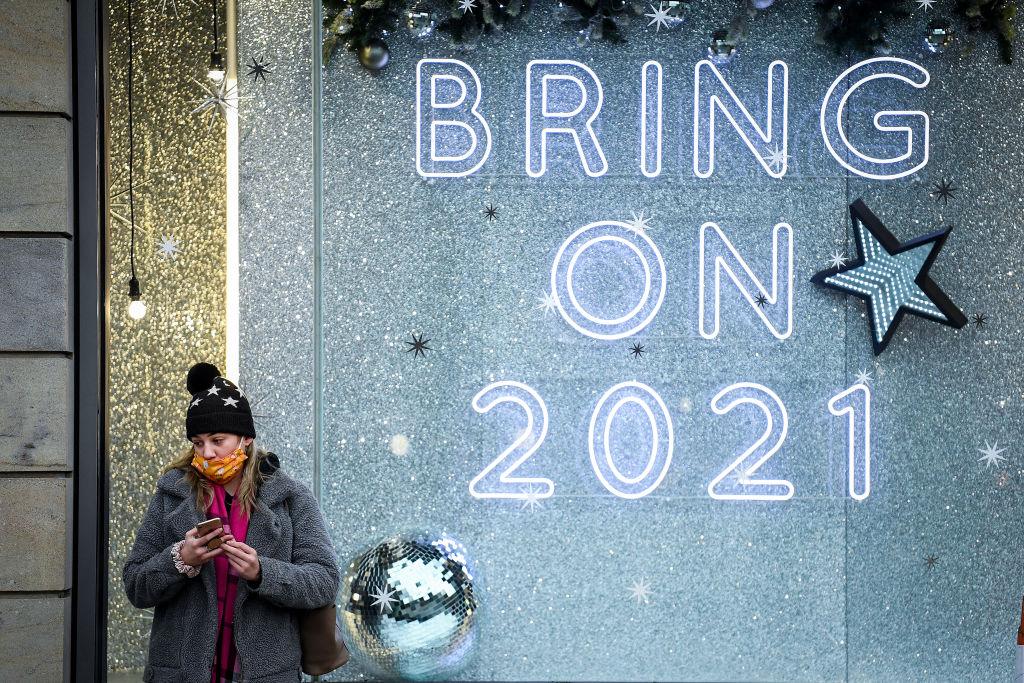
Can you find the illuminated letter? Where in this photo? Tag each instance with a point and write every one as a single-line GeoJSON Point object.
{"type": "Point", "coordinates": [650, 120]}
{"type": "Point", "coordinates": [915, 122]}
{"type": "Point", "coordinates": [601, 457]}
{"type": "Point", "coordinates": [855, 403]}
{"type": "Point", "coordinates": [775, 308]}
{"type": "Point", "coordinates": [574, 115]}
{"type": "Point", "coordinates": [459, 137]}
{"type": "Point", "coordinates": [743, 467]}
{"type": "Point", "coordinates": [771, 147]}
{"type": "Point", "coordinates": [563, 287]}
{"type": "Point", "coordinates": [529, 440]}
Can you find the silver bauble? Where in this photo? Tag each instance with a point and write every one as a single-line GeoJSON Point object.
{"type": "Point", "coordinates": [419, 21]}
{"type": "Point", "coordinates": [721, 50]}
{"type": "Point", "coordinates": [375, 54]}
{"type": "Point", "coordinates": [409, 607]}
{"type": "Point", "coordinates": [939, 36]}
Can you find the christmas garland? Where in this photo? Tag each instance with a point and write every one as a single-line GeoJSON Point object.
{"type": "Point", "coordinates": [994, 16]}
{"type": "Point", "coordinates": [598, 19]}
{"type": "Point", "coordinates": [857, 25]}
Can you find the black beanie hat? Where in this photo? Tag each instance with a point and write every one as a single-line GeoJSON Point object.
{"type": "Point", "coordinates": [217, 405]}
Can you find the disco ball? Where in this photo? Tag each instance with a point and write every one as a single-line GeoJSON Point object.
{"type": "Point", "coordinates": [409, 607]}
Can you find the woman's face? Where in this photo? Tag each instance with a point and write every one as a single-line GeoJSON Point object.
{"type": "Point", "coordinates": [218, 445]}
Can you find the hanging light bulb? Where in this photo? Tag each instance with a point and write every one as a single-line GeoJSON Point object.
{"type": "Point", "coordinates": [137, 307]}
{"type": "Point", "coordinates": [216, 72]}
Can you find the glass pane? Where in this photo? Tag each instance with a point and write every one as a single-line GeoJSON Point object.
{"type": "Point", "coordinates": [682, 583]}
{"type": "Point", "coordinates": [419, 281]}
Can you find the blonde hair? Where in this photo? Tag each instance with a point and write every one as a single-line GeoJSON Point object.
{"type": "Point", "coordinates": [252, 478]}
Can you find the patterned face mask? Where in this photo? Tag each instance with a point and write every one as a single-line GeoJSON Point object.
{"type": "Point", "coordinates": [221, 470]}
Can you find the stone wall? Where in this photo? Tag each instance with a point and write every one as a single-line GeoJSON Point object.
{"type": "Point", "coordinates": [36, 319]}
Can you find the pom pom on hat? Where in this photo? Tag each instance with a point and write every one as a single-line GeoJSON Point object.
{"type": "Point", "coordinates": [201, 376]}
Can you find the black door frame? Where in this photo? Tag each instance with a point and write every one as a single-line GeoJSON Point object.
{"type": "Point", "coordinates": [86, 634]}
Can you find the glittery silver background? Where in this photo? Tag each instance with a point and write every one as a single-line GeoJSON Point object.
{"type": "Point", "coordinates": [815, 588]}
{"type": "Point", "coordinates": [179, 178]}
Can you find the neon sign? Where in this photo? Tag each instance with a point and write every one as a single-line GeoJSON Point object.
{"type": "Point", "coordinates": [737, 482]}
{"type": "Point", "coordinates": [564, 97]}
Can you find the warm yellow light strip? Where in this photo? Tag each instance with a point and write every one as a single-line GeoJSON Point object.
{"type": "Point", "coordinates": [231, 212]}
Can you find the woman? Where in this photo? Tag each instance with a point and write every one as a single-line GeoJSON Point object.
{"type": "Point", "coordinates": [228, 614]}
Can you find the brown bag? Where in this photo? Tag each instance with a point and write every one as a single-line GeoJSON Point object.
{"type": "Point", "coordinates": [323, 649]}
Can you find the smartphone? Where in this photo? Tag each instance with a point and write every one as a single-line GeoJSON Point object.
{"type": "Point", "coordinates": [203, 528]}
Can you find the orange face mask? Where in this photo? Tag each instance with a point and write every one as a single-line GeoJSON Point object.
{"type": "Point", "coordinates": [221, 470]}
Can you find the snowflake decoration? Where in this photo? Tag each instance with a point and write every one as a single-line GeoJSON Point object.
{"type": "Point", "coordinates": [776, 158]}
{"type": "Point", "coordinates": [532, 498]}
{"type": "Point", "coordinates": [168, 247]}
{"type": "Point", "coordinates": [658, 17]}
{"type": "Point", "coordinates": [640, 223]}
{"type": "Point", "coordinates": [548, 302]}
{"type": "Point", "coordinates": [383, 598]}
{"type": "Point", "coordinates": [641, 591]}
{"type": "Point", "coordinates": [991, 454]}
{"type": "Point", "coordinates": [837, 260]}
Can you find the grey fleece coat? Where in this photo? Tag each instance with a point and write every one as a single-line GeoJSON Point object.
{"type": "Point", "coordinates": [298, 571]}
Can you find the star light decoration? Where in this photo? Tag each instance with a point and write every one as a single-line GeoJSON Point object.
{"type": "Point", "coordinates": [892, 277]}
{"type": "Point", "coordinates": [467, 5]}
{"type": "Point", "coordinates": [218, 100]}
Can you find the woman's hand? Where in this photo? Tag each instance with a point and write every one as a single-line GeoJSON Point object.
{"type": "Point", "coordinates": [193, 550]}
{"type": "Point", "coordinates": [243, 558]}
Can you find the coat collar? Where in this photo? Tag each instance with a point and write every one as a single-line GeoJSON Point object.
{"type": "Point", "coordinates": [275, 488]}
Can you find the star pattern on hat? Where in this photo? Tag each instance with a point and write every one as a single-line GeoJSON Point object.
{"type": "Point", "coordinates": [892, 277]}
{"type": "Point", "coordinates": [233, 402]}
{"type": "Point", "coordinates": [212, 391]}
{"type": "Point", "coordinates": [195, 402]}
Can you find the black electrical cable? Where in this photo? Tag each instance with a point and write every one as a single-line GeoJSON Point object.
{"type": "Point", "coordinates": [131, 140]}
